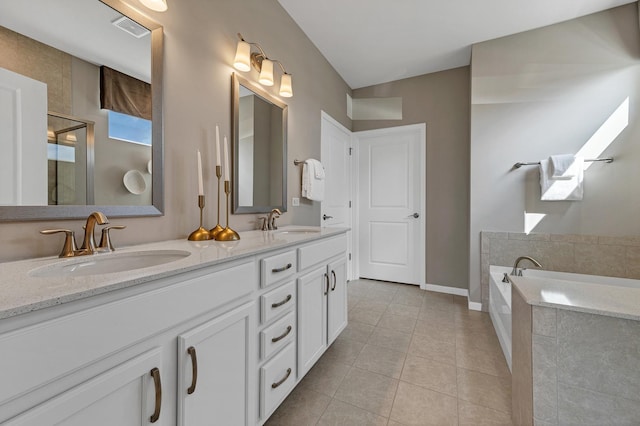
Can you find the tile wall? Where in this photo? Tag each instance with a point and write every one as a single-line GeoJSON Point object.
{"type": "Point", "coordinates": [583, 254]}
{"type": "Point", "coordinates": [584, 368]}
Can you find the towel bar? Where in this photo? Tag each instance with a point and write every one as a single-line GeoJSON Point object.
{"type": "Point", "coordinates": [298, 162]}
{"type": "Point", "coordinates": [606, 160]}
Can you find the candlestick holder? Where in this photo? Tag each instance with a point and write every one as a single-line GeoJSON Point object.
{"type": "Point", "coordinates": [227, 234]}
{"type": "Point", "coordinates": [216, 229]}
{"type": "Point", "coordinates": [200, 234]}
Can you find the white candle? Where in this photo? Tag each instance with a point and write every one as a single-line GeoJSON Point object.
{"type": "Point", "coordinates": [200, 185]}
{"type": "Point", "coordinates": [217, 145]}
{"type": "Point", "coordinates": [226, 159]}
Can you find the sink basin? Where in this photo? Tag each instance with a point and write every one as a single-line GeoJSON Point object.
{"type": "Point", "coordinates": [109, 262]}
{"type": "Point", "coordinates": [298, 231]}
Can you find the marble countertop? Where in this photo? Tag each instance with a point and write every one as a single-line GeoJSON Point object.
{"type": "Point", "coordinates": [20, 292]}
{"type": "Point", "coordinates": [601, 299]}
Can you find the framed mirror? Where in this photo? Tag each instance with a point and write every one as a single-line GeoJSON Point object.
{"type": "Point", "coordinates": [259, 135]}
{"type": "Point", "coordinates": [70, 145]}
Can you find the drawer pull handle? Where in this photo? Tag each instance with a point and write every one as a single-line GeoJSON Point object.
{"type": "Point", "coordinates": [282, 336]}
{"type": "Point", "coordinates": [284, 268]}
{"type": "Point", "coordinates": [155, 373]}
{"type": "Point", "coordinates": [335, 280]}
{"type": "Point", "coordinates": [194, 368]}
{"type": "Point", "coordinates": [277, 305]}
{"type": "Point", "coordinates": [326, 279]}
{"type": "Point", "coordinates": [284, 379]}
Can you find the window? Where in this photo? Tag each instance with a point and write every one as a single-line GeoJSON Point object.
{"type": "Point", "coordinates": [129, 128]}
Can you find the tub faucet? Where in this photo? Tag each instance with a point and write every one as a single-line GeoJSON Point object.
{"type": "Point", "coordinates": [515, 271]}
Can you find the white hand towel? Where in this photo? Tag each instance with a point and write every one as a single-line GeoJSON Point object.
{"type": "Point", "coordinates": [305, 179]}
{"type": "Point", "coordinates": [318, 169]}
{"type": "Point", "coordinates": [312, 187]}
{"type": "Point", "coordinates": [562, 189]}
{"type": "Point", "coordinates": [561, 166]}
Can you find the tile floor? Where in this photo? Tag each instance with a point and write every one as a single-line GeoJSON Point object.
{"type": "Point", "coordinates": [407, 357]}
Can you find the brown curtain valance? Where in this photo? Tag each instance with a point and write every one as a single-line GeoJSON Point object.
{"type": "Point", "coordinates": [122, 93]}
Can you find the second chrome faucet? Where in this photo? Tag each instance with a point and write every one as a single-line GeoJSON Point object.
{"type": "Point", "coordinates": [269, 223]}
{"type": "Point", "coordinates": [70, 249]}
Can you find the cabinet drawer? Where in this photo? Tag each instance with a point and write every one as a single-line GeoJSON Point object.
{"type": "Point", "coordinates": [319, 252]}
{"type": "Point", "coordinates": [277, 378]}
{"type": "Point", "coordinates": [277, 335]}
{"type": "Point", "coordinates": [277, 301]}
{"type": "Point", "coordinates": [276, 268]}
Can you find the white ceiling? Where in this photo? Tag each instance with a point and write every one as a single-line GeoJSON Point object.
{"type": "Point", "coordinates": [375, 41]}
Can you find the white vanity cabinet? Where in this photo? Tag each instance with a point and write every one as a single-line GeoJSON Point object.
{"type": "Point", "coordinates": [322, 298]}
{"type": "Point", "coordinates": [221, 340]}
{"type": "Point", "coordinates": [277, 331]}
{"type": "Point", "coordinates": [215, 370]}
{"type": "Point", "coordinates": [113, 360]}
{"type": "Point", "coordinates": [124, 395]}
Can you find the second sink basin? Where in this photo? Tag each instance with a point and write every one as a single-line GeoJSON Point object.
{"type": "Point", "coordinates": [109, 262]}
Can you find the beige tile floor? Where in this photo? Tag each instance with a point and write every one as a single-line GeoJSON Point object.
{"type": "Point", "coordinates": [407, 357]}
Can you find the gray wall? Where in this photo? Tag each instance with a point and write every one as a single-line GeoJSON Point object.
{"type": "Point", "coordinates": [200, 42]}
{"type": "Point", "coordinates": [549, 91]}
{"type": "Point", "coordinates": [442, 101]}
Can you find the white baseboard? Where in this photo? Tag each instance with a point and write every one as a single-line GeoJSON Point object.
{"type": "Point", "coordinates": [444, 289]}
{"type": "Point", "coordinates": [474, 306]}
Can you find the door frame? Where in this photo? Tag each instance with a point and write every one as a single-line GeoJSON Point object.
{"type": "Point", "coordinates": [351, 235]}
{"type": "Point", "coordinates": [422, 254]}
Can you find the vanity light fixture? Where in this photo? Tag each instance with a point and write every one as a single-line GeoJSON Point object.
{"type": "Point", "coordinates": [157, 5]}
{"type": "Point", "coordinates": [245, 59]}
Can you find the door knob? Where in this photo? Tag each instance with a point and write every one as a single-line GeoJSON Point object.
{"type": "Point", "coordinates": [325, 217]}
{"type": "Point", "coordinates": [415, 215]}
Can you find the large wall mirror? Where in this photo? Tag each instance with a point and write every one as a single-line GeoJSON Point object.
{"type": "Point", "coordinates": [259, 149]}
{"type": "Point", "coordinates": [80, 110]}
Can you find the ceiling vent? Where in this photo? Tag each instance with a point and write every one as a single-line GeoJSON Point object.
{"type": "Point", "coordinates": [131, 27]}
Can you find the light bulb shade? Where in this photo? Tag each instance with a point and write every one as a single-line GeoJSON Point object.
{"type": "Point", "coordinates": [266, 73]}
{"type": "Point", "coordinates": [157, 5]}
{"type": "Point", "coordinates": [242, 62]}
{"type": "Point", "coordinates": [286, 90]}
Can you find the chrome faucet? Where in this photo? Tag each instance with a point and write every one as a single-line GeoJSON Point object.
{"type": "Point", "coordinates": [89, 241]}
{"type": "Point", "coordinates": [271, 220]}
{"type": "Point", "coordinates": [518, 272]}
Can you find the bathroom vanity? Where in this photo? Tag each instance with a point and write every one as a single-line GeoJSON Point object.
{"type": "Point", "coordinates": [219, 334]}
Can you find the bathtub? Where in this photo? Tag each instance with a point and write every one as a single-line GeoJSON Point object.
{"type": "Point", "coordinates": [500, 296]}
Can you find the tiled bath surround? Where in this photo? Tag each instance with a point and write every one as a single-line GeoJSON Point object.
{"type": "Point", "coordinates": [582, 368]}
{"type": "Point", "coordinates": [583, 254]}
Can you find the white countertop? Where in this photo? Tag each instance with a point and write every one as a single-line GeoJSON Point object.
{"type": "Point", "coordinates": [600, 299]}
{"type": "Point", "coordinates": [21, 293]}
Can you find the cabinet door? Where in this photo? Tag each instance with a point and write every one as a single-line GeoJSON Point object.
{"type": "Point", "coordinates": [337, 303]}
{"type": "Point", "coordinates": [123, 396]}
{"type": "Point", "coordinates": [216, 369]}
{"type": "Point", "coordinates": [312, 318]}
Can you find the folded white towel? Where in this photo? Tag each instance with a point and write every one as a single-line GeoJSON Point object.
{"type": "Point", "coordinates": [561, 166]}
{"type": "Point", "coordinates": [312, 186]}
{"type": "Point", "coordinates": [318, 169]}
{"type": "Point", "coordinates": [571, 189]}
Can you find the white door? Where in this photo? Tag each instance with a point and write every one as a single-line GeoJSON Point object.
{"type": "Point", "coordinates": [215, 376]}
{"type": "Point", "coordinates": [336, 158]}
{"type": "Point", "coordinates": [23, 120]}
{"type": "Point", "coordinates": [391, 204]}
